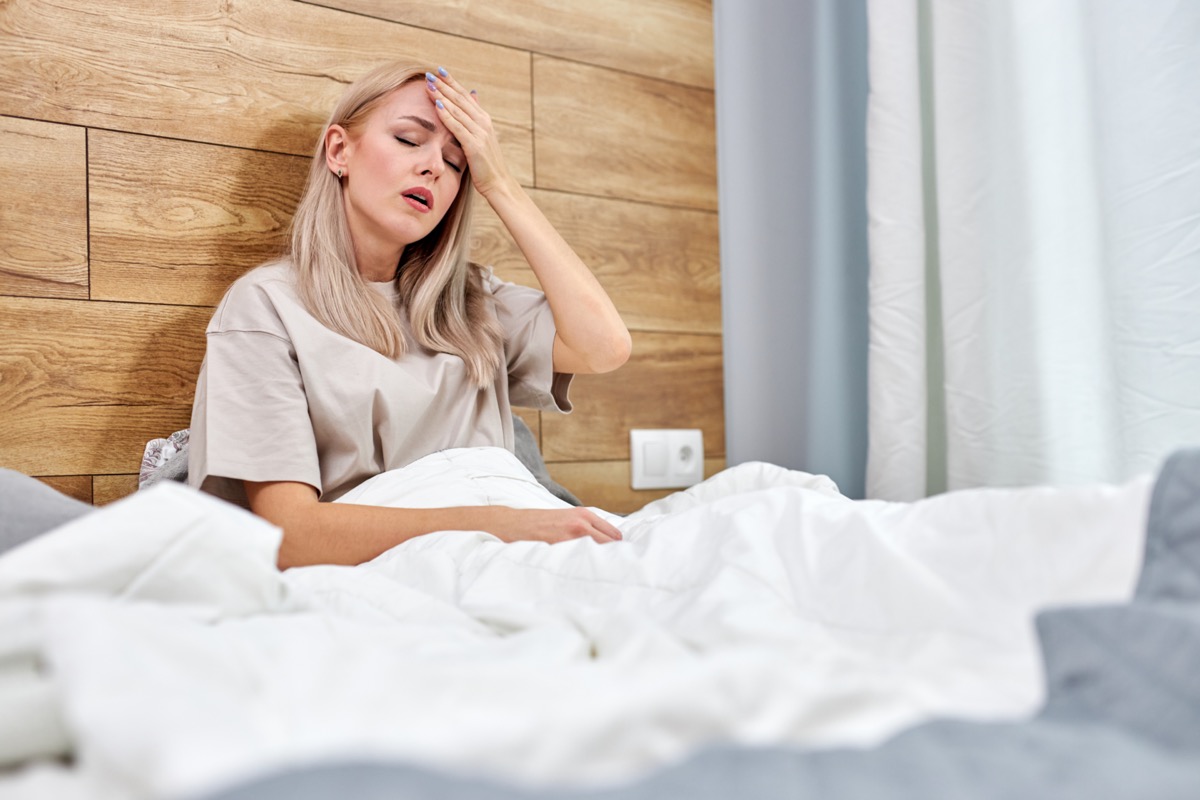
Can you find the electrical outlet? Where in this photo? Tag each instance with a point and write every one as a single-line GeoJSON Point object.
{"type": "Point", "coordinates": [666, 458]}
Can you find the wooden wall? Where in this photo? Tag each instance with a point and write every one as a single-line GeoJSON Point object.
{"type": "Point", "coordinates": [153, 150]}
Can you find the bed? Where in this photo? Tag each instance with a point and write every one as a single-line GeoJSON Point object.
{"type": "Point", "coordinates": [756, 636]}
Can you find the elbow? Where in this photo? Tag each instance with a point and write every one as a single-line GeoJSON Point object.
{"type": "Point", "coordinates": [623, 349]}
{"type": "Point", "coordinates": [614, 353]}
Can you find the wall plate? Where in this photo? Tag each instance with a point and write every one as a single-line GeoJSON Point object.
{"type": "Point", "coordinates": [666, 458]}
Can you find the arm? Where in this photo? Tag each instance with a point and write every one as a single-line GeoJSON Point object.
{"type": "Point", "coordinates": [343, 533]}
{"type": "Point", "coordinates": [590, 335]}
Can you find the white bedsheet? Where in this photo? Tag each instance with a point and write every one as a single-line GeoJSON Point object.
{"type": "Point", "coordinates": [156, 642]}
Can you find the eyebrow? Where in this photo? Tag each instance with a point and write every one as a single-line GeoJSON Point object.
{"type": "Point", "coordinates": [429, 126]}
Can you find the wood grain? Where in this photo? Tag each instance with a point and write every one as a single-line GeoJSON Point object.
{"type": "Point", "coordinates": [202, 115]}
{"type": "Point", "coordinates": [667, 39]}
{"type": "Point", "coordinates": [85, 384]}
{"type": "Point", "coordinates": [618, 135]}
{"type": "Point", "coordinates": [177, 222]}
{"type": "Point", "coordinates": [76, 486]}
{"type": "Point", "coordinates": [605, 484]}
{"type": "Point", "coordinates": [107, 488]}
{"type": "Point", "coordinates": [672, 381]}
{"type": "Point", "coordinates": [261, 74]}
{"type": "Point", "coordinates": [43, 209]}
{"type": "Point", "coordinates": [661, 266]}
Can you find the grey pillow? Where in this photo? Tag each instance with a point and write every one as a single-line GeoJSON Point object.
{"type": "Point", "coordinates": [29, 508]}
{"type": "Point", "coordinates": [528, 454]}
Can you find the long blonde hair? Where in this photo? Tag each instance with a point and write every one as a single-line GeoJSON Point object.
{"type": "Point", "coordinates": [441, 289]}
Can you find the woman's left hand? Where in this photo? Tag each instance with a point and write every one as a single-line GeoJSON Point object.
{"type": "Point", "coordinates": [465, 118]}
{"type": "Point", "coordinates": [589, 335]}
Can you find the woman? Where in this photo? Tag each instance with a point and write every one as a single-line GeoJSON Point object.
{"type": "Point", "coordinates": [375, 342]}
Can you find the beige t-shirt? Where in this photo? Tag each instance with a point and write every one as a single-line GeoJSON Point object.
{"type": "Point", "coordinates": [281, 397]}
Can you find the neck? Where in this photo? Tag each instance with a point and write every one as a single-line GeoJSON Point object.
{"type": "Point", "coordinates": [376, 264]}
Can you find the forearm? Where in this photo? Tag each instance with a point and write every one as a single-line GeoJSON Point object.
{"type": "Point", "coordinates": [344, 533]}
{"type": "Point", "coordinates": [588, 325]}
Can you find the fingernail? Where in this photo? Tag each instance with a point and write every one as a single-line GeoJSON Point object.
{"type": "Point", "coordinates": [429, 77]}
{"type": "Point", "coordinates": [474, 92]}
{"type": "Point", "coordinates": [442, 71]}
{"type": "Point", "coordinates": [439, 104]}
{"type": "Point", "coordinates": [431, 86]}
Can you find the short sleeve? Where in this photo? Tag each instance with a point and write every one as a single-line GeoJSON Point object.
{"type": "Point", "coordinates": [529, 330]}
{"type": "Point", "coordinates": [250, 418]}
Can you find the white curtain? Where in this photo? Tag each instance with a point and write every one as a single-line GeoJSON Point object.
{"type": "Point", "coordinates": [1034, 202]}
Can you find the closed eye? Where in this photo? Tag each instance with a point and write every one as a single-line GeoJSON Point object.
{"type": "Point", "coordinates": [453, 166]}
{"type": "Point", "coordinates": [402, 140]}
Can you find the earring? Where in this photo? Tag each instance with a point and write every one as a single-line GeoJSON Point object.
{"type": "Point", "coordinates": [339, 174]}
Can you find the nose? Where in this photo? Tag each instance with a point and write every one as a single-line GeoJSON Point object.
{"type": "Point", "coordinates": [432, 164]}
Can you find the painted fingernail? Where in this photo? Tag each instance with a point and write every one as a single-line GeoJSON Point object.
{"type": "Point", "coordinates": [431, 86]}
{"type": "Point", "coordinates": [474, 92]}
{"type": "Point", "coordinates": [442, 72]}
{"type": "Point", "coordinates": [439, 104]}
{"type": "Point", "coordinates": [429, 77]}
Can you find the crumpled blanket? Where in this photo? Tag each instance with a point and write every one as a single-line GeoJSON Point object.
{"type": "Point", "coordinates": [155, 642]}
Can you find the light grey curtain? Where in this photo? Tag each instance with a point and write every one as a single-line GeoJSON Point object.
{"type": "Point", "coordinates": [791, 97]}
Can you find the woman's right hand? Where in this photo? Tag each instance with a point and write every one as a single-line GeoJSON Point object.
{"type": "Point", "coordinates": [549, 525]}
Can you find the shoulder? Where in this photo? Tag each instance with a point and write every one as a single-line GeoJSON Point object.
{"type": "Point", "coordinates": [505, 292]}
{"type": "Point", "coordinates": [276, 277]}
{"type": "Point", "coordinates": [485, 278]}
{"type": "Point", "coordinates": [257, 300]}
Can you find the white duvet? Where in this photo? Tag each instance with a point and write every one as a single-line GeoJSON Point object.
{"type": "Point", "coordinates": [155, 642]}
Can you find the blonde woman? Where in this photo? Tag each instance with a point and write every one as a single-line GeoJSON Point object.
{"type": "Point", "coordinates": [375, 342]}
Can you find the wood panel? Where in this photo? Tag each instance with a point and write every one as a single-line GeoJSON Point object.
{"type": "Point", "coordinates": [107, 488]}
{"type": "Point", "coordinates": [618, 135]}
{"type": "Point", "coordinates": [43, 209]}
{"type": "Point", "coordinates": [672, 381]}
{"type": "Point", "coordinates": [627, 35]}
{"type": "Point", "coordinates": [85, 384]}
{"type": "Point", "coordinates": [177, 222]}
{"type": "Point", "coordinates": [201, 116]}
{"type": "Point", "coordinates": [76, 486]}
{"type": "Point", "coordinates": [260, 74]}
{"type": "Point", "coordinates": [605, 484]}
{"type": "Point", "coordinates": [661, 266]}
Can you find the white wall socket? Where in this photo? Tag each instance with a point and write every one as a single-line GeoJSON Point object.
{"type": "Point", "coordinates": [666, 458]}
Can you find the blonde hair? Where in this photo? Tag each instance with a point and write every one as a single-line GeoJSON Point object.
{"type": "Point", "coordinates": [441, 289]}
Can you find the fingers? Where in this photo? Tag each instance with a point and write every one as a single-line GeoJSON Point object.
{"type": "Point", "coordinates": [606, 528]}
{"type": "Point", "coordinates": [446, 84]}
{"type": "Point", "coordinates": [450, 96]}
{"type": "Point", "coordinates": [552, 526]}
{"type": "Point", "coordinates": [595, 527]}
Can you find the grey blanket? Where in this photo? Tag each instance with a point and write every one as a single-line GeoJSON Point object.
{"type": "Point", "coordinates": [1122, 719]}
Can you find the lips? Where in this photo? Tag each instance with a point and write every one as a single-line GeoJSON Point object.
{"type": "Point", "coordinates": [419, 198]}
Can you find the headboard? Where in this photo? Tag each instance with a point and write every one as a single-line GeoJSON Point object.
{"type": "Point", "coordinates": [153, 151]}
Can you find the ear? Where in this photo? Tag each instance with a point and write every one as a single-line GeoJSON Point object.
{"type": "Point", "coordinates": [337, 146]}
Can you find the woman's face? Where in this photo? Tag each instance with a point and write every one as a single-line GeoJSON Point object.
{"type": "Point", "coordinates": [403, 170]}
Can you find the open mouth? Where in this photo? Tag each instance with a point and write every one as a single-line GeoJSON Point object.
{"type": "Point", "coordinates": [420, 198]}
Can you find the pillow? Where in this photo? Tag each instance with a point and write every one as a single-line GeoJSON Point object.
{"type": "Point", "coordinates": [29, 508]}
{"type": "Point", "coordinates": [528, 454]}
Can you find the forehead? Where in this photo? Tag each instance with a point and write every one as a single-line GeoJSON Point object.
{"type": "Point", "coordinates": [410, 99]}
